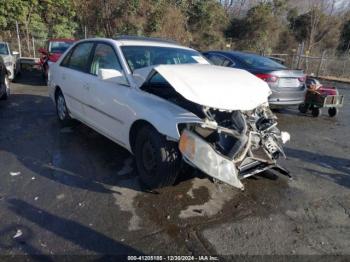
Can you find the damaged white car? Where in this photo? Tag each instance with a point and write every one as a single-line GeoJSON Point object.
{"type": "Point", "coordinates": [167, 105]}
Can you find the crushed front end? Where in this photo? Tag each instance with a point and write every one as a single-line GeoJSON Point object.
{"type": "Point", "coordinates": [233, 145]}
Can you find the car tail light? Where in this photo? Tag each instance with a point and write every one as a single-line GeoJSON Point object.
{"type": "Point", "coordinates": [302, 79]}
{"type": "Point", "coordinates": [268, 78]}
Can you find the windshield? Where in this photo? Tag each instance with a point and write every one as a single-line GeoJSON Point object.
{"type": "Point", "coordinates": [59, 46]}
{"type": "Point", "coordinates": [144, 56]}
{"type": "Point", "coordinates": [3, 49]}
{"type": "Point", "coordinates": [259, 61]}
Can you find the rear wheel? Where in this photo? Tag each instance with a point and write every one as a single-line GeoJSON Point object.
{"type": "Point", "coordinates": [7, 89]}
{"type": "Point", "coordinates": [316, 112]}
{"type": "Point", "coordinates": [303, 108]}
{"type": "Point", "coordinates": [158, 160]}
{"type": "Point", "coordinates": [332, 112]}
{"type": "Point", "coordinates": [62, 110]}
{"type": "Point", "coordinates": [45, 70]}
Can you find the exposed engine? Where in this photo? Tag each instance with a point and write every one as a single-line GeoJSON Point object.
{"type": "Point", "coordinates": [249, 139]}
{"type": "Point", "coordinates": [229, 133]}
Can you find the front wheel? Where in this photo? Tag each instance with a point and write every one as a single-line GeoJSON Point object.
{"type": "Point", "coordinates": [158, 160]}
{"type": "Point", "coordinates": [62, 110]}
{"type": "Point", "coordinates": [316, 112]}
{"type": "Point", "coordinates": [303, 108]}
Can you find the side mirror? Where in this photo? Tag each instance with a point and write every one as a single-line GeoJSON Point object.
{"type": "Point", "coordinates": [112, 75]}
{"type": "Point", "coordinates": [15, 53]}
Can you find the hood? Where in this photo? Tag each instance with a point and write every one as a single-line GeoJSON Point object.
{"type": "Point", "coordinates": [213, 86]}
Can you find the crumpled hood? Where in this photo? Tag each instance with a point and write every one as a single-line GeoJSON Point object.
{"type": "Point", "coordinates": [213, 86]}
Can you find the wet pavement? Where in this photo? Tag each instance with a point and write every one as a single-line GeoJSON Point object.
{"type": "Point", "coordinates": [72, 191]}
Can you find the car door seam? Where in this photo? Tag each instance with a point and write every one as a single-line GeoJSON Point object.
{"type": "Point", "coordinates": [96, 109]}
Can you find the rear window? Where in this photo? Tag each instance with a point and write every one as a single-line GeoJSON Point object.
{"type": "Point", "coordinates": [259, 61]}
{"type": "Point", "coordinates": [59, 46]}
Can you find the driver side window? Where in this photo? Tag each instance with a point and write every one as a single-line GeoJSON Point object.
{"type": "Point", "coordinates": [104, 58]}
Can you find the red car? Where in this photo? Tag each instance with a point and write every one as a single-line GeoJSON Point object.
{"type": "Point", "coordinates": [54, 49]}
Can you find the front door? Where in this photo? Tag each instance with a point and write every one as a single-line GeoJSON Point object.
{"type": "Point", "coordinates": [106, 108]}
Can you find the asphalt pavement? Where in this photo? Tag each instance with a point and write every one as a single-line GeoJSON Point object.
{"type": "Point", "coordinates": [71, 191]}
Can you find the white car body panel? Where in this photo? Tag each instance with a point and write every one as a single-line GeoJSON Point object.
{"type": "Point", "coordinates": [111, 109]}
{"type": "Point", "coordinates": [206, 84]}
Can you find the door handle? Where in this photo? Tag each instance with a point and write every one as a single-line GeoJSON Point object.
{"type": "Point", "coordinates": [86, 86]}
{"type": "Point", "coordinates": [63, 76]}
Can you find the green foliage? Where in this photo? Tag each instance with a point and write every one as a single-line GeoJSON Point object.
{"type": "Point", "coordinates": [207, 21]}
{"type": "Point", "coordinates": [268, 25]}
{"type": "Point", "coordinates": [260, 25]}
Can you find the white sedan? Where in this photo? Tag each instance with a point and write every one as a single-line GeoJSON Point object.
{"type": "Point", "coordinates": [165, 103]}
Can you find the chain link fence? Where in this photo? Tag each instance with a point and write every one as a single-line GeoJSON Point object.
{"type": "Point", "coordinates": [327, 66]}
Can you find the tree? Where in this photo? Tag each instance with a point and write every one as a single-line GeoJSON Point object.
{"type": "Point", "coordinates": [207, 21]}
{"type": "Point", "coordinates": [344, 42]}
{"type": "Point", "coordinates": [260, 29]}
{"type": "Point", "coordinates": [58, 15]}
{"type": "Point", "coordinates": [316, 28]}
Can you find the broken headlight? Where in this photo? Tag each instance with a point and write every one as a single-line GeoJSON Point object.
{"type": "Point", "coordinates": [200, 154]}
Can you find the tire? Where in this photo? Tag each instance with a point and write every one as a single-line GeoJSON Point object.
{"type": "Point", "coordinates": [44, 72]}
{"type": "Point", "coordinates": [332, 111]}
{"type": "Point", "coordinates": [303, 108]}
{"type": "Point", "coordinates": [62, 110]}
{"type": "Point", "coordinates": [7, 91]}
{"type": "Point", "coordinates": [158, 160]}
{"type": "Point", "coordinates": [316, 112]}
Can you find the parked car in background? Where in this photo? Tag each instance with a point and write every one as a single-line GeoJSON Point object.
{"type": "Point", "coordinates": [9, 59]}
{"type": "Point", "coordinates": [287, 86]}
{"type": "Point", "coordinates": [165, 103]}
{"type": "Point", "coordinates": [54, 49]}
{"type": "Point", "coordinates": [4, 80]}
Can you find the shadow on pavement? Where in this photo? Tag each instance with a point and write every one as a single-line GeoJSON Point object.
{"type": "Point", "coordinates": [31, 77]}
{"type": "Point", "coordinates": [342, 165]}
{"type": "Point", "coordinates": [78, 234]}
{"type": "Point", "coordinates": [75, 156]}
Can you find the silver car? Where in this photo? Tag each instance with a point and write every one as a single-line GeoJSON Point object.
{"type": "Point", "coordinates": [287, 86]}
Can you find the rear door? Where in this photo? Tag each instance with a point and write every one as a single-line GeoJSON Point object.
{"type": "Point", "coordinates": [74, 70]}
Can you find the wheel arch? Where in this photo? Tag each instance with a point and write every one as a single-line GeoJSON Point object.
{"type": "Point", "coordinates": [135, 127]}
{"type": "Point", "coordinates": [56, 91]}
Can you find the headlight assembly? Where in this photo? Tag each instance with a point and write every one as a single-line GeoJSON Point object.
{"type": "Point", "coordinates": [200, 154]}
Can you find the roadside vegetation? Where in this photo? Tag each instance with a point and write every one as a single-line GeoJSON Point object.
{"type": "Point", "coordinates": [264, 26]}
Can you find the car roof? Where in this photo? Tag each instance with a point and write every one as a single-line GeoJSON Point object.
{"type": "Point", "coordinates": [232, 53]}
{"type": "Point", "coordinates": [143, 38]}
{"type": "Point", "coordinates": [62, 39]}
{"type": "Point", "coordinates": [139, 41]}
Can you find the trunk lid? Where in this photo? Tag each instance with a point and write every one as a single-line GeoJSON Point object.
{"type": "Point", "coordinates": [290, 79]}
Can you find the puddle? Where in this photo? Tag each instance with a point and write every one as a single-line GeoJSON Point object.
{"type": "Point", "coordinates": [125, 198]}
{"type": "Point", "coordinates": [219, 194]}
